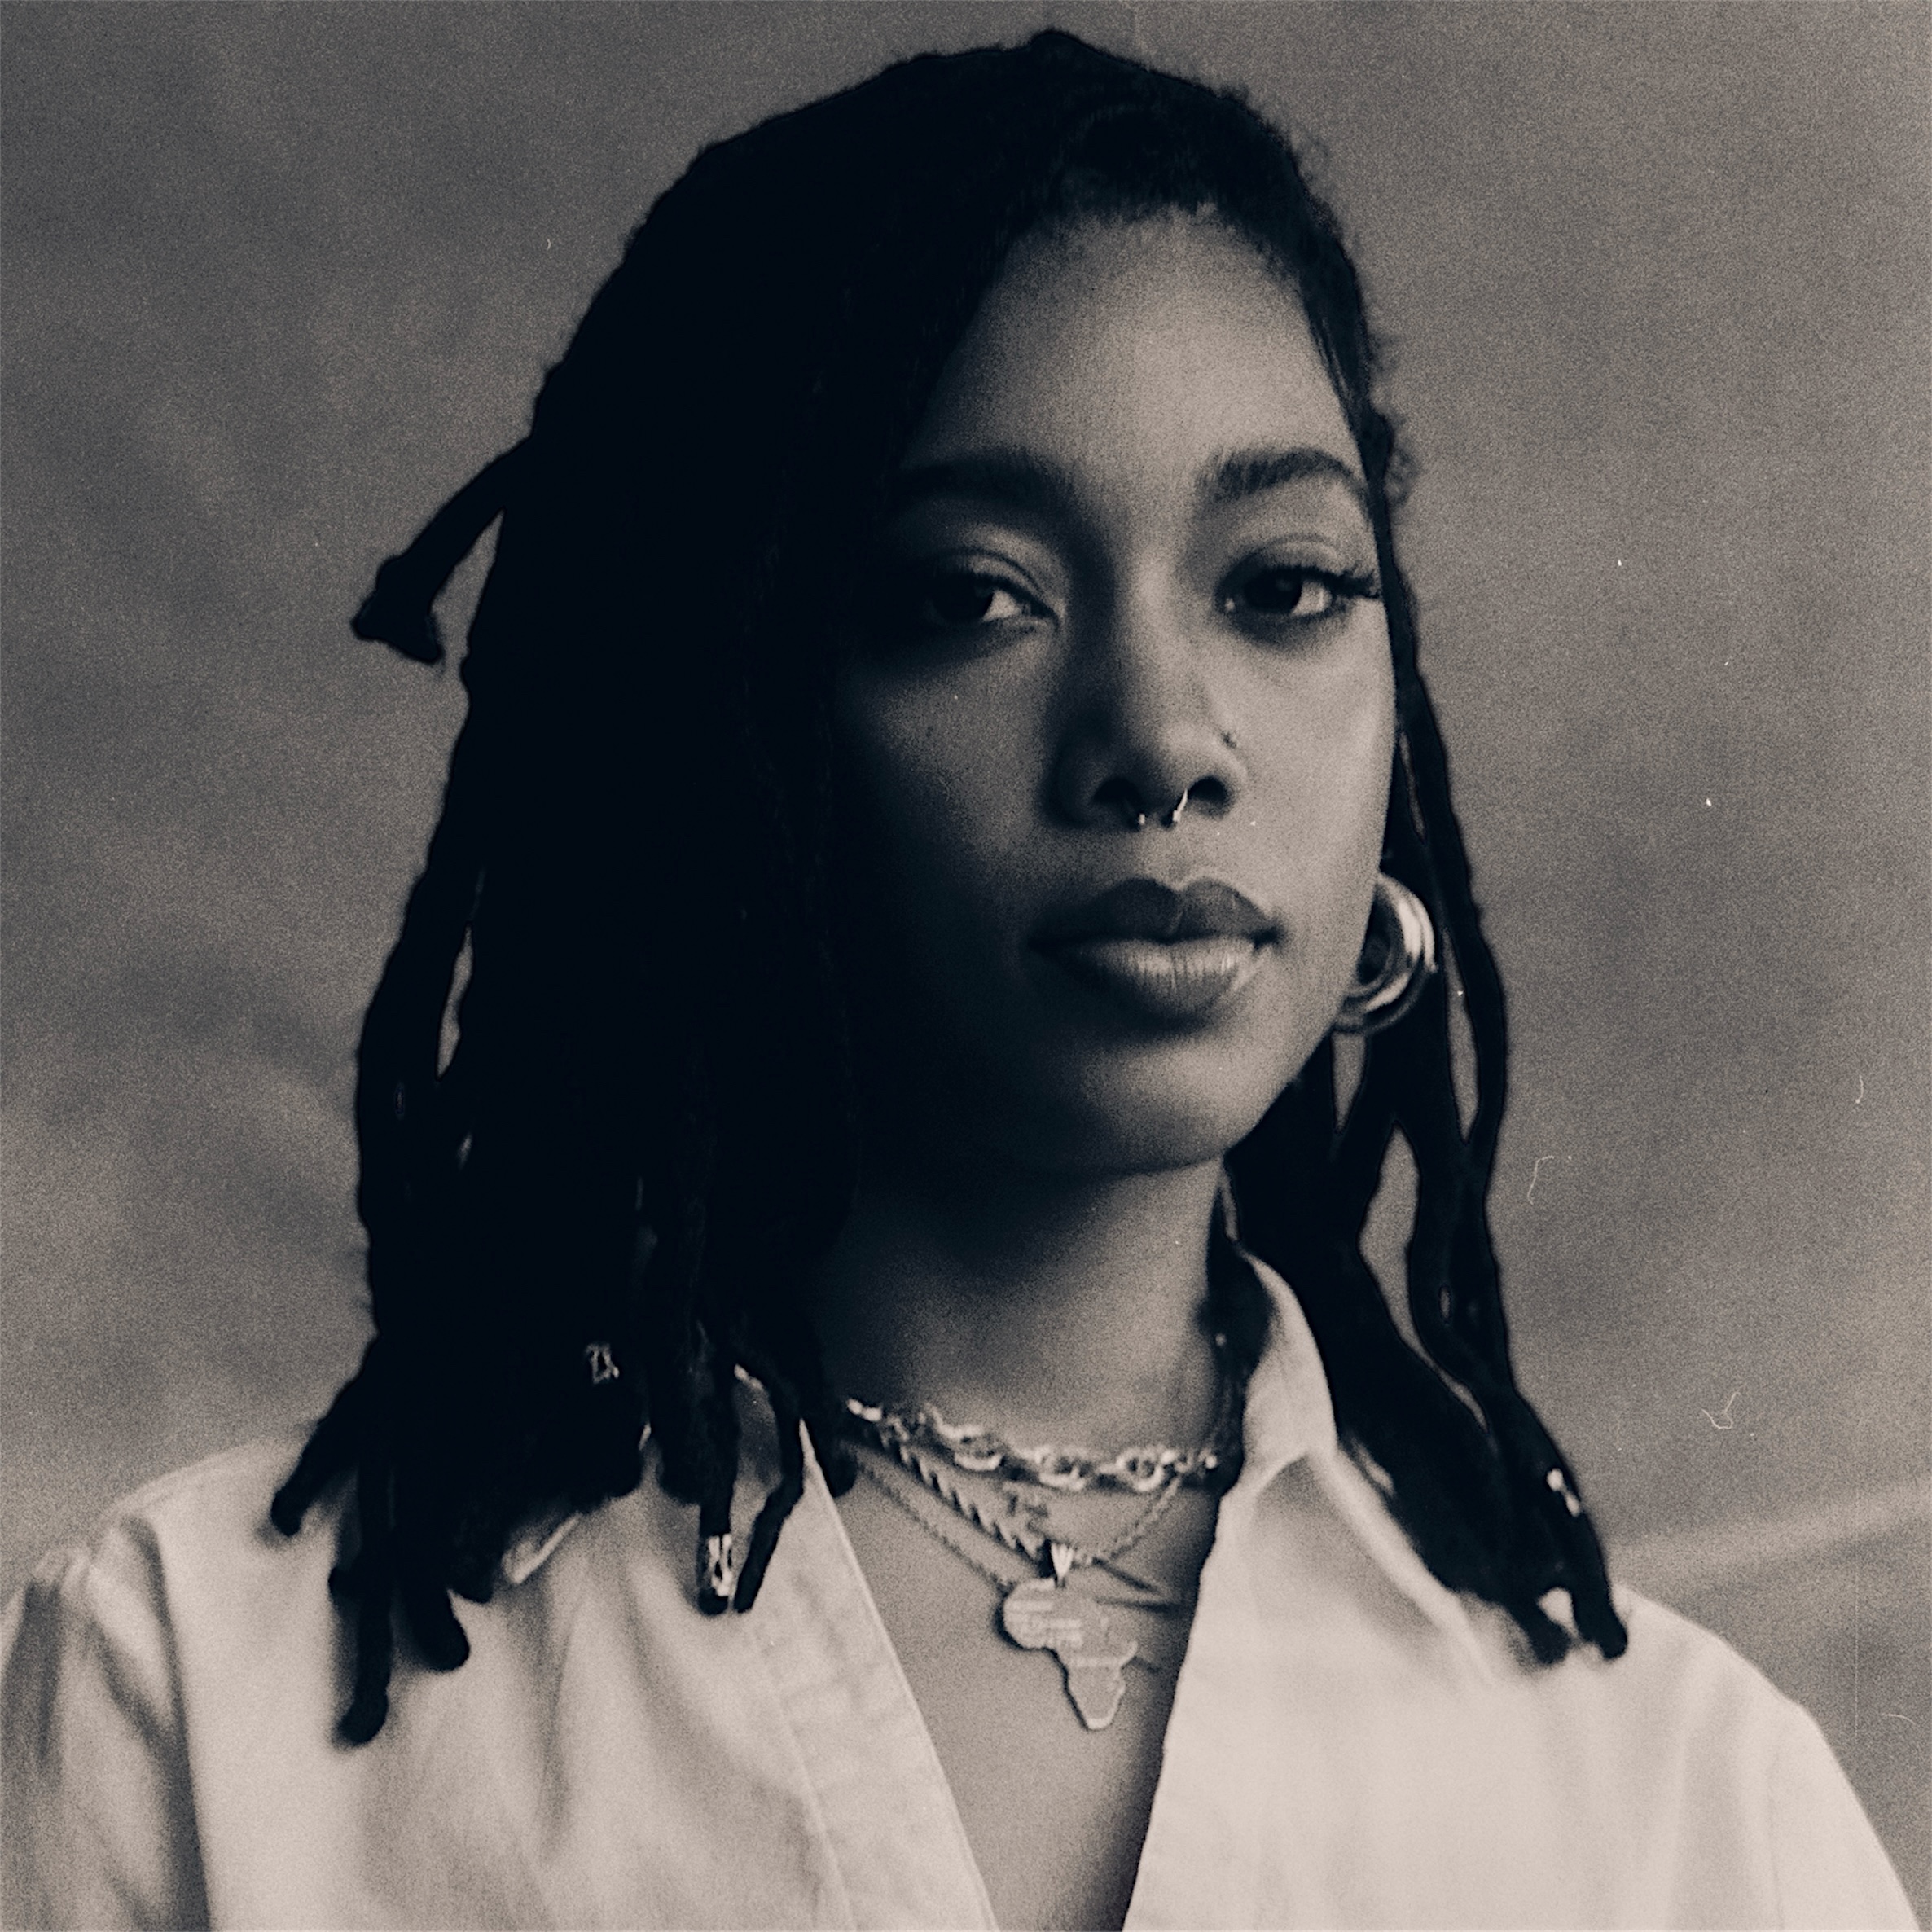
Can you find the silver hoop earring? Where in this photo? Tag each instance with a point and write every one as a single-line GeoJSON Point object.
{"type": "Point", "coordinates": [1399, 955]}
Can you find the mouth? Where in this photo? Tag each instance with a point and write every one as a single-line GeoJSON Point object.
{"type": "Point", "coordinates": [1161, 954]}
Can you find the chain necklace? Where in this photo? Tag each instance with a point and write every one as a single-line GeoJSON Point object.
{"type": "Point", "coordinates": [1040, 1613]}
{"type": "Point", "coordinates": [1053, 1556]}
{"type": "Point", "coordinates": [1144, 1469]}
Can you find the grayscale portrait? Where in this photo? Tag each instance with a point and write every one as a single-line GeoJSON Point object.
{"type": "Point", "coordinates": [966, 964]}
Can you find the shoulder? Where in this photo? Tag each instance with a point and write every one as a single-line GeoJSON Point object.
{"type": "Point", "coordinates": [1733, 1774]}
{"type": "Point", "coordinates": [1680, 1679]}
{"type": "Point", "coordinates": [1680, 1704]}
{"type": "Point", "coordinates": [96, 1646]}
{"type": "Point", "coordinates": [207, 1503]}
{"type": "Point", "coordinates": [1688, 1697]}
{"type": "Point", "coordinates": [1672, 1784]}
{"type": "Point", "coordinates": [187, 1560]}
{"type": "Point", "coordinates": [173, 1683]}
{"type": "Point", "coordinates": [201, 1531]}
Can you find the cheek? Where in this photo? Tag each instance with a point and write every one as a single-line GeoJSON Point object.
{"type": "Point", "coordinates": [939, 781]}
{"type": "Point", "coordinates": [1323, 745]}
{"type": "Point", "coordinates": [1324, 749]}
{"type": "Point", "coordinates": [1362, 794]}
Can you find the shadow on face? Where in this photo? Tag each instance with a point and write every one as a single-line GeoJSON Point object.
{"type": "Point", "coordinates": [1118, 716]}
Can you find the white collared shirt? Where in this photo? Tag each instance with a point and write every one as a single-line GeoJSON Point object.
{"type": "Point", "coordinates": [1350, 1743]}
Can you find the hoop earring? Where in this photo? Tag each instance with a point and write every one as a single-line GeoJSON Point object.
{"type": "Point", "coordinates": [1398, 956]}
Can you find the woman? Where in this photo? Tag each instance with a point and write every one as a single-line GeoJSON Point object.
{"type": "Point", "coordinates": [944, 716]}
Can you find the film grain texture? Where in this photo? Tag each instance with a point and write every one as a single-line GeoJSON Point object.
{"type": "Point", "coordinates": [1653, 277]}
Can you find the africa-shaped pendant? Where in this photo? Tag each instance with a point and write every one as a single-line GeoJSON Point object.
{"type": "Point", "coordinates": [1042, 1615]}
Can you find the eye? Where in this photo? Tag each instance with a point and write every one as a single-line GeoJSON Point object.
{"type": "Point", "coordinates": [1282, 595]}
{"type": "Point", "coordinates": [957, 605]}
{"type": "Point", "coordinates": [947, 602]}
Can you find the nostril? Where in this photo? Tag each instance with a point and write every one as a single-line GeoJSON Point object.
{"type": "Point", "coordinates": [1122, 798]}
{"type": "Point", "coordinates": [1118, 795]}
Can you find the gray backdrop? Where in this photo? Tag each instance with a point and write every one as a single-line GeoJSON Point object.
{"type": "Point", "coordinates": [278, 278]}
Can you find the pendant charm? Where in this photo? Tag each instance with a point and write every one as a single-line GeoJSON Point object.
{"type": "Point", "coordinates": [1038, 1614]}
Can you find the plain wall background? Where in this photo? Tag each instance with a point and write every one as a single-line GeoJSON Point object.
{"type": "Point", "coordinates": [279, 278]}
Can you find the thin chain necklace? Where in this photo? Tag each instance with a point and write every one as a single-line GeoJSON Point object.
{"type": "Point", "coordinates": [1039, 1612]}
{"type": "Point", "coordinates": [1053, 1556]}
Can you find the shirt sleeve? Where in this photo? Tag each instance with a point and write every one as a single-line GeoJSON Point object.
{"type": "Point", "coordinates": [1831, 1869]}
{"type": "Point", "coordinates": [100, 1818]}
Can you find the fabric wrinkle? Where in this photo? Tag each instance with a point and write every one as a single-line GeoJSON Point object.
{"type": "Point", "coordinates": [1349, 1743]}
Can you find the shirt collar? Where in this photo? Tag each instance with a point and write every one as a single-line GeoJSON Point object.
{"type": "Point", "coordinates": [1289, 1417]}
{"type": "Point", "coordinates": [1288, 1413]}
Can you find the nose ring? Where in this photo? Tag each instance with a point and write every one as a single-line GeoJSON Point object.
{"type": "Point", "coordinates": [1171, 817]}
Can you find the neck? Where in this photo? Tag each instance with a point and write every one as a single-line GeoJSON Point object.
{"type": "Point", "coordinates": [1050, 1307]}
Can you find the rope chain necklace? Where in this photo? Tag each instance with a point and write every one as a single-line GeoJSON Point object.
{"type": "Point", "coordinates": [1039, 1612]}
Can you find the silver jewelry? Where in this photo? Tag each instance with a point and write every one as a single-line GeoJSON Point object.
{"type": "Point", "coordinates": [718, 1572]}
{"type": "Point", "coordinates": [1048, 1554]}
{"type": "Point", "coordinates": [601, 1363]}
{"type": "Point", "coordinates": [1040, 1613]}
{"type": "Point", "coordinates": [1171, 817]}
{"type": "Point", "coordinates": [1398, 956]}
{"type": "Point", "coordinates": [1559, 1484]}
{"type": "Point", "coordinates": [980, 1451]}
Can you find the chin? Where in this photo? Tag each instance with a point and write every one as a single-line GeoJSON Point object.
{"type": "Point", "coordinates": [1147, 1116]}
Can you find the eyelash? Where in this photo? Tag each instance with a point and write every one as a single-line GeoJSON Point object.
{"type": "Point", "coordinates": [1344, 589]}
{"type": "Point", "coordinates": [922, 613]}
{"type": "Point", "coordinates": [926, 587]}
{"type": "Point", "coordinates": [915, 611]}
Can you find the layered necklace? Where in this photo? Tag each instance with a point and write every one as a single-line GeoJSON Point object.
{"type": "Point", "coordinates": [1040, 1612]}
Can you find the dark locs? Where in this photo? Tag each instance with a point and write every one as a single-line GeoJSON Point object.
{"type": "Point", "coordinates": [645, 1139]}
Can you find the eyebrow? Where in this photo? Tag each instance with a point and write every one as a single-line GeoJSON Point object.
{"type": "Point", "coordinates": [1245, 473]}
{"type": "Point", "coordinates": [1010, 477]}
{"type": "Point", "coordinates": [1020, 480]}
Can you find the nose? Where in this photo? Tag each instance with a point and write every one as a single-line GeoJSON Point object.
{"type": "Point", "coordinates": [1145, 741]}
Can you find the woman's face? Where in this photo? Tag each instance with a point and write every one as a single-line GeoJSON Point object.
{"type": "Point", "coordinates": [1117, 727]}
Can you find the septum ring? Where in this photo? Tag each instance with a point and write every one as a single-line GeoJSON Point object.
{"type": "Point", "coordinates": [1171, 817]}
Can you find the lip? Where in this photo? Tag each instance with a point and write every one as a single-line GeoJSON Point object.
{"type": "Point", "coordinates": [1162, 954]}
{"type": "Point", "coordinates": [1145, 909]}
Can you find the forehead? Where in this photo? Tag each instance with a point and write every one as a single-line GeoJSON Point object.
{"type": "Point", "coordinates": [1136, 352]}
